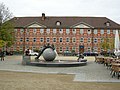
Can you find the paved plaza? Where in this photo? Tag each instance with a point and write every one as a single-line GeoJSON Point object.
{"type": "Point", "coordinates": [92, 72]}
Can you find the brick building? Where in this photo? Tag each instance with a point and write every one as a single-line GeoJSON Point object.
{"type": "Point", "coordinates": [66, 33]}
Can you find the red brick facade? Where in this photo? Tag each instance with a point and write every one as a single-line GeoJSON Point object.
{"type": "Point", "coordinates": [34, 37]}
{"type": "Point", "coordinates": [66, 33]}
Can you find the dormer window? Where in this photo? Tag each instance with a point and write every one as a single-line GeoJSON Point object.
{"type": "Point", "coordinates": [107, 23]}
{"type": "Point", "coordinates": [58, 23]}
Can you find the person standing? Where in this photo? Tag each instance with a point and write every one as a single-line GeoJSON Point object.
{"type": "Point", "coordinates": [27, 52]}
{"type": "Point", "coordinates": [2, 55]}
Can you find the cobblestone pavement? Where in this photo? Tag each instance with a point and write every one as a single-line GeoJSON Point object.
{"type": "Point", "coordinates": [92, 72]}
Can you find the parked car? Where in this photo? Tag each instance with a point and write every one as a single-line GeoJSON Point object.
{"type": "Point", "coordinates": [67, 53]}
{"type": "Point", "coordinates": [90, 54]}
{"type": "Point", "coordinates": [107, 53]}
{"type": "Point", "coordinates": [32, 53]}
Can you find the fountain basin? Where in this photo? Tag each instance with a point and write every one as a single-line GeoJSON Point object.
{"type": "Point", "coordinates": [58, 63]}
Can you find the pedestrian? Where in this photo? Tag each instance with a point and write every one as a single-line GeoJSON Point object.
{"type": "Point", "coordinates": [2, 54]}
{"type": "Point", "coordinates": [27, 52]}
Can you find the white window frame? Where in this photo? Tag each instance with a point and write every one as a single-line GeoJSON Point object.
{"type": "Point", "coordinates": [89, 40]}
{"type": "Point", "coordinates": [34, 30]}
{"type": "Point", "coordinates": [27, 39]}
{"type": "Point", "coordinates": [41, 30]}
{"type": "Point", "coordinates": [34, 40]}
{"type": "Point", "coordinates": [60, 49]}
{"type": "Point", "coordinates": [67, 39]}
{"type": "Point", "coordinates": [81, 39]}
{"type": "Point", "coordinates": [89, 31]}
{"type": "Point", "coordinates": [102, 31]}
{"type": "Point", "coordinates": [42, 39]}
{"type": "Point", "coordinates": [21, 39]}
{"type": "Point", "coordinates": [95, 31]}
{"type": "Point", "coordinates": [74, 48]}
{"type": "Point", "coordinates": [81, 31]}
{"type": "Point", "coordinates": [47, 39]}
{"type": "Point", "coordinates": [54, 39]}
{"type": "Point", "coordinates": [108, 31]}
{"type": "Point", "coordinates": [67, 48]}
{"type": "Point", "coordinates": [21, 31]}
{"type": "Point", "coordinates": [47, 31]}
{"type": "Point", "coordinates": [67, 31]}
{"type": "Point", "coordinates": [74, 31]}
{"type": "Point", "coordinates": [114, 31]}
{"type": "Point", "coordinates": [88, 49]}
{"type": "Point", "coordinates": [95, 40]}
{"type": "Point", "coordinates": [54, 31]}
{"type": "Point", "coordinates": [74, 39]}
{"type": "Point", "coordinates": [61, 31]}
{"type": "Point", "coordinates": [60, 39]}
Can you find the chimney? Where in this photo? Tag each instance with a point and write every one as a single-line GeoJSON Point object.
{"type": "Point", "coordinates": [43, 16]}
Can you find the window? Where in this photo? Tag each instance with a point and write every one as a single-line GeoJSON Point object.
{"type": "Point", "coordinates": [95, 31]}
{"type": "Point", "coordinates": [67, 48]}
{"type": "Point", "coordinates": [48, 40]}
{"type": "Point", "coordinates": [67, 31]}
{"type": "Point", "coordinates": [34, 39]}
{"type": "Point", "coordinates": [27, 31]}
{"type": "Point", "coordinates": [89, 40]}
{"type": "Point", "coordinates": [74, 48]}
{"type": "Point", "coordinates": [60, 39]}
{"type": "Point", "coordinates": [95, 49]}
{"type": "Point", "coordinates": [81, 39]}
{"type": "Point", "coordinates": [48, 31]}
{"type": "Point", "coordinates": [95, 40]}
{"type": "Point", "coordinates": [61, 49]}
{"type": "Point", "coordinates": [34, 30]}
{"type": "Point", "coordinates": [21, 47]}
{"type": "Point", "coordinates": [27, 39]}
{"type": "Point", "coordinates": [41, 39]}
{"type": "Point", "coordinates": [41, 30]}
{"type": "Point", "coordinates": [73, 39]}
{"type": "Point", "coordinates": [88, 49]}
{"type": "Point", "coordinates": [107, 23]}
{"type": "Point", "coordinates": [67, 39]}
{"type": "Point", "coordinates": [89, 31]}
{"type": "Point", "coordinates": [54, 31]}
{"type": "Point", "coordinates": [73, 31]}
{"type": "Point", "coordinates": [81, 31]}
{"type": "Point", "coordinates": [114, 31]}
{"type": "Point", "coordinates": [21, 31]}
{"type": "Point", "coordinates": [108, 31]}
{"type": "Point", "coordinates": [60, 30]}
{"type": "Point", "coordinates": [102, 40]}
{"type": "Point", "coordinates": [102, 31]}
{"type": "Point", "coordinates": [21, 39]}
{"type": "Point", "coordinates": [58, 23]}
{"type": "Point", "coordinates": [54, 39]}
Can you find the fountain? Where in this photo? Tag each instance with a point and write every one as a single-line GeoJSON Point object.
{"type": "Point", "coordinates": [49, 54]}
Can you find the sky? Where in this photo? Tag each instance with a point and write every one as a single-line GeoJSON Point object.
{"type": "Point", "coordinates": [94, 8]}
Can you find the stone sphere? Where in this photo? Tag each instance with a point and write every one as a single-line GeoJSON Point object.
{"type": "Point", "coordinates": [49, 54]}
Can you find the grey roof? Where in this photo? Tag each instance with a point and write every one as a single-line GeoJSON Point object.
{"type": "Point", "coordinates": [66, 22]}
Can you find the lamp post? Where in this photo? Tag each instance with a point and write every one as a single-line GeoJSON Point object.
{"type": "Point", "coordinates": [23, 40]}
{"type": "Point", "coordinates": [92, 38]}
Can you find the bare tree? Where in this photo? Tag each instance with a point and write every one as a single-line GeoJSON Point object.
{"type": "Point", "coordinates": [5, 14]}
{"type": "Point", "coordinates": [6, 27]}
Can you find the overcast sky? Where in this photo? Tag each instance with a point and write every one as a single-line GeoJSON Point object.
{"type": "Point", "coordinates": [104, 8]}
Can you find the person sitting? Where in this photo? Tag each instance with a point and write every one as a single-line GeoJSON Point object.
{"type": "Point", "coordinates": [81, 56]}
